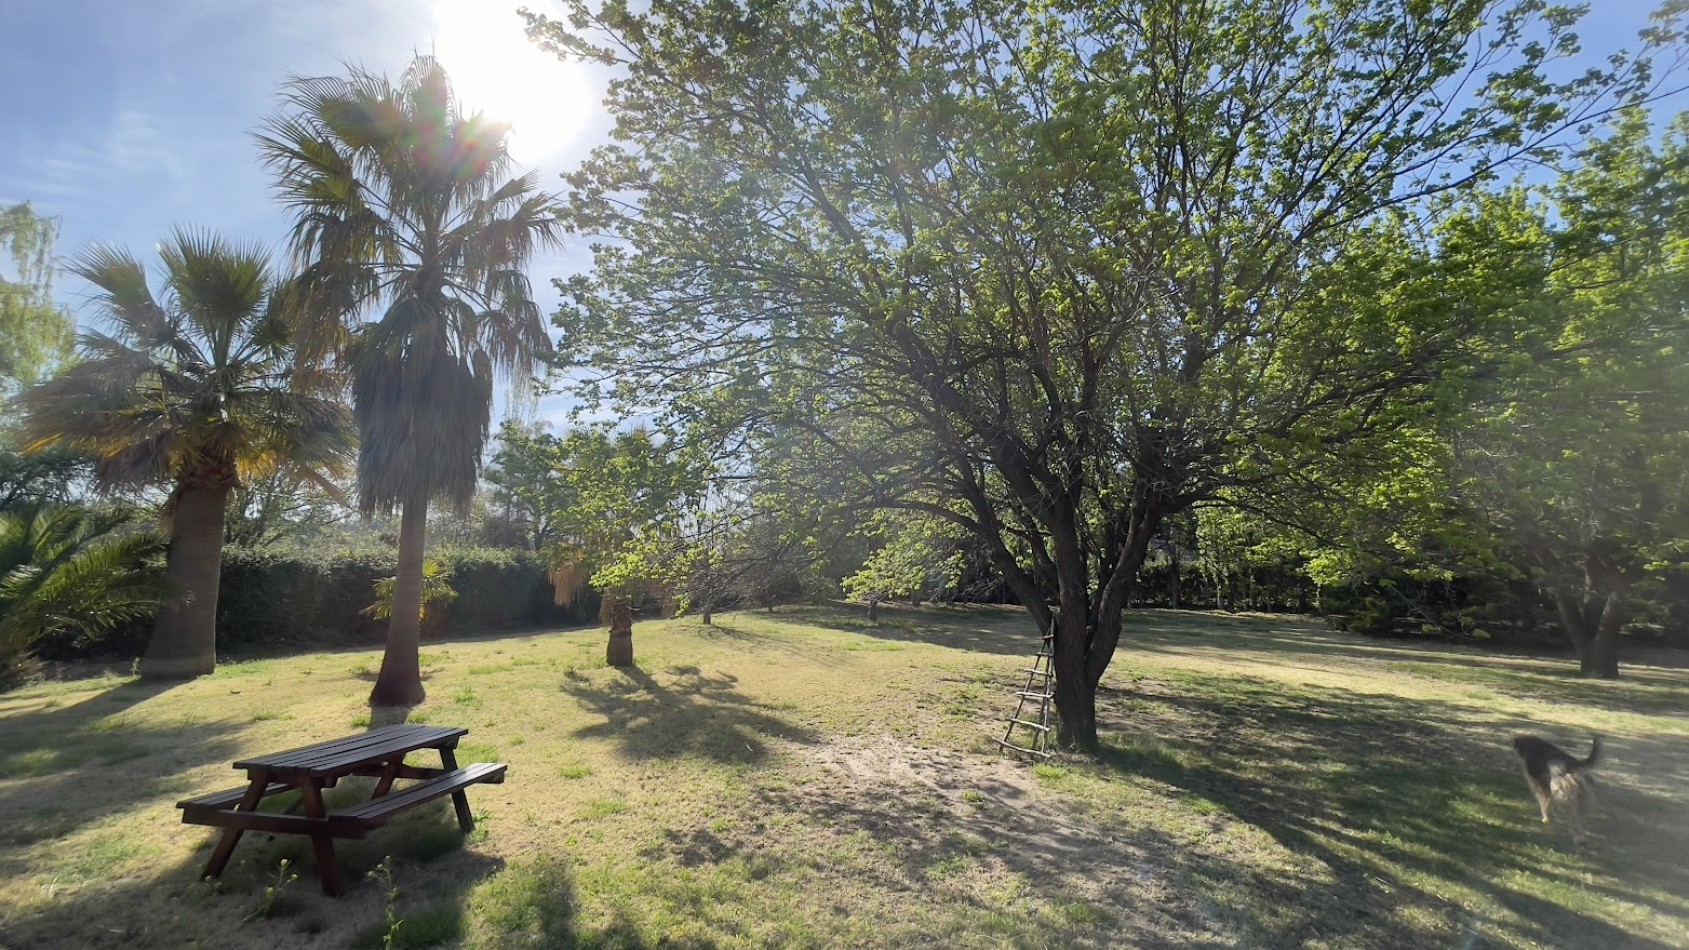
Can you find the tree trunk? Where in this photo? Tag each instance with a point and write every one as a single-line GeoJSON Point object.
{"type": "Point", "coordinates": [400, 680]}
{"type": "Point", "coordinates": [873, 610]}
{"type": "Point", "coordinates": [1173, 583]}
{"type": "Point", "coordinates": [1076, 695]}
{"type": "Point", "coordinates": [1087, 619]}
{"type": "Point", "coordinates": [1602, 660]}
{"type": "Point", "coordinates": [619, 651]}
{"type": "Point", "coordinates": [184, 638]}
{"type": "Point", "coordinates": [1593, 629]}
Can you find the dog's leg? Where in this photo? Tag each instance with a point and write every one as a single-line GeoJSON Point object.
{"type": "Point", "coordinates": [1583, 791]}
{"type": "Point", "coordinates": [1541, 793]}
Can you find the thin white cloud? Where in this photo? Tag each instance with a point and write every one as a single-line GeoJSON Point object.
{"type": "Point", "coordinates": [133, 145]}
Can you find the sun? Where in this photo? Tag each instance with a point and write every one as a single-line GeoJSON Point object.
{"type": "Point", "coordinates": [496, 71]}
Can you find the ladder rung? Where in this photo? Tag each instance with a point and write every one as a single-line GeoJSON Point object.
{"type": "Point", "coordinates": [1029, 695]}
{"type": "Point", "coordinates": [1046, 753]}
{"type": "Point", "coordinates": [1030, 724]}
{"type": "Point", "coordinates": [1040, 672]}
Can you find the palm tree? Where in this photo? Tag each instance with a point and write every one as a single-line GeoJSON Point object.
{"type": "Point", "coordinates": [197, 390]}
{"type": "Point", "coordinates": [403, 210]}
{"type": "Point", "coordinates": [66, 570]}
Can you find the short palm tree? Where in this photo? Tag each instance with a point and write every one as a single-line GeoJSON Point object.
{"type": "Point", "coordinates": [194, 390]}
{"type": "Point", "coordinates": [408, 230]}
{"type": "Point", "coordinates": [67, 570]}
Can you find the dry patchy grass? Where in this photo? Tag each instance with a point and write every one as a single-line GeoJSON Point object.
{"type": "Point", "coordinates": [806, 779]}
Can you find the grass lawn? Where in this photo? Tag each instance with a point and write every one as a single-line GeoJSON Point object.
{"type": "Point", "coordinates": [806, 779]}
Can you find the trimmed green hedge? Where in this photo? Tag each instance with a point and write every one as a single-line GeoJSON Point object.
{"type": "Point", "coordinates": [271, 601]}
{"type": "Point", "coordinates": [274, 598]}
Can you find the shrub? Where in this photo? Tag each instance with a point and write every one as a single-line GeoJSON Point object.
{"type": "Point", "coordinates": [274, 598]}
{"type": "Point", "coordinates": [69, 575]}
{"type": "Point", "coordinates": [280, 599]}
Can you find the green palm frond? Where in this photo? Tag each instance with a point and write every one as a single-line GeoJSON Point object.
{"type": "Point", "coordinates": [68, 571]}
{"type": "Point", "coordinates": [200, 381]}
{"type": "Point", "coordinates": [436, 589]}
{"type": "Point", "coordinates": [402, 206]}
{"type": "Point", "coordinates": [125, 299]}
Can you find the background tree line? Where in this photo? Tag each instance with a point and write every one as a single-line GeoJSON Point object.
{"type": "Point", "coordinates": [1348, 306]}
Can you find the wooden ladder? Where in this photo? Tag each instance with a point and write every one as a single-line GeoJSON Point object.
{"type": "Point", "coordinates": [1039, 689]}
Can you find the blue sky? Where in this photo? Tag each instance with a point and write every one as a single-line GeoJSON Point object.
{"type": "Point", "coordinates": [126, 117]}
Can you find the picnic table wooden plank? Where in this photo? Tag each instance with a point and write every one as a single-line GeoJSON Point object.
{"type": "Point", "coordinates": [271, 822]}
{"type": "Point", "coordinates": [325, 744]}
{"type": "Point", "coordinates": [339, 757]}
{"type": "Point", "coordinates": [426, 737]}
{"type": "Point", "coordinates": [218, 801]}
{"type": "Point", "coordinates": [399, 771]}
{"type": "Point", "coordinates": [378, 810]}
{"type": "Point", "coordinates": [350, 761]}
{"type": "Point", "coordinates": [397, 735]}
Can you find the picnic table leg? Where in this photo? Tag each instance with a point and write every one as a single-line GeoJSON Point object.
{"type": "Point", "coordinates": [384, 784]}
{"type": "Point", "coordinates": [460, 798]}
{"type": "Point", "coordinates": [231, 836]}
{"type": "Point", "coordinates": [327, 871]}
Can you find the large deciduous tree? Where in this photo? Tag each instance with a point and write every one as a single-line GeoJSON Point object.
{"type": "Point", "coordinates": [195, 389]}
{"type": "Point", "coordinates": [414, 245]}
{"type": "Point", "coordinates": [1578, 456]}
{"type": "Point", "coordinates": [35, 333]}
{"type": "Point", "coordinates": [1073, 266]}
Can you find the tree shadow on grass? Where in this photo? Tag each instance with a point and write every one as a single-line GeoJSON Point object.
{"type": "Point", "coordinates": [726, 630]}
{"type": "Point", "coordinates": [1528, 676]}
{"type": "Point", "coordinates": [685, 711]}
{"type": "Point", "coordinates": [424, 855]}
{"type": "Point", "coordinates": [448, 892]}
{"type": "Point", "coordinates": [1076, 879]}
{"type": "Point", "coordinates": [69, 766]}
{"type": "Point", "coordinates": [1401, 802]}
{"type": "Point", "coordinates": [533, 903]}
{"type": "Point", "coordinates": [992, 630]}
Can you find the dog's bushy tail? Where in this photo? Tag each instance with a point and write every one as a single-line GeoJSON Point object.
{"type": "Point", "coordinates": [1593, 760]}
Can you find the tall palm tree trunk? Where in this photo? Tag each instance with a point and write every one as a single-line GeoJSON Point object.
{"type": "Point", "coordinates": [184, 638]}
{"type": "Point", "coordinates": [400, 681]}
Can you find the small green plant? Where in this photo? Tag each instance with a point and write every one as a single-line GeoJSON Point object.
{"type": "Point", "coordinates": [603, 808]}
{"type": "Point", "coordinates": [274, 893]}
{"type": "Point", "coordinates": [436, 589]}
{"type": "Point", "coordinates": [383, 872]}
{"type": "Point", "coordinates": [1084, 915]}
{"type": "Point", "coordinates": [948, 866]}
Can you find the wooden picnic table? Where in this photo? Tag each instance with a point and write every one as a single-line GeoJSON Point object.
{"type": "Point", "coordinates": [379, 753]}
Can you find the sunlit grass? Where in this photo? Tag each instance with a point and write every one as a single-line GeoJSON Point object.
{"type": "Point", "coordinates": [807, 778]}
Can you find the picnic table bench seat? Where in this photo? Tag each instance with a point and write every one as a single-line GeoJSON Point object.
{"type": "Point", "coordinates": [376, 812]}
{"type": "Point", "coordinates": [310, 769]}
{"type": "Point", "coordinates": [217, 801]}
